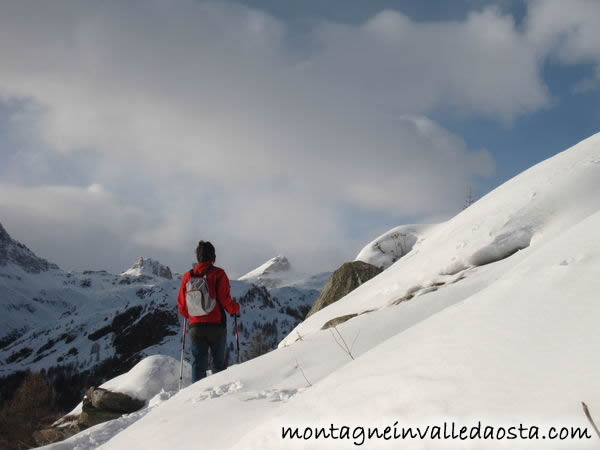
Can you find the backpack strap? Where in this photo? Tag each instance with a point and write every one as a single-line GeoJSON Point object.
{"type": "Point", "coordinates": [192, 274]}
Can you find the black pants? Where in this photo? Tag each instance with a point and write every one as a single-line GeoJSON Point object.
{"type": "Point", "coordinates": [203, 337]}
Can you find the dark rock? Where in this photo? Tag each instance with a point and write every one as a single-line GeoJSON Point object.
{"type": "Point", "coordinates": [151, 329]}
{"type": "Point", "coordinates": [100, 333]}
{"type": "Point", "coordinates": [124, 319]}
{"type": "Point", "coordinates": [52, 435]}
{"type": "Point", "coordinates": [47, 346]}
{"type": "Point", "coordinates": [67, 337]}
{"type": "Point", "coordinates": [105, 400]}
{"type": "Point", "coordinates": [143, 293]}
{"type": "Point", "coordinates": [91, 416]}
{"type": "Point", "coordinates": [338, 320]}
{"type": "Point", "coordinates": [99, 405]}
{"type": "Point", "coordinates": [11, 337]}
{"type": "Point", "coordinates": [258, 295]}
{"type": "Point", "coordinates": [20, 355]}
{"type": "Point", "coordinates": [343, 281]}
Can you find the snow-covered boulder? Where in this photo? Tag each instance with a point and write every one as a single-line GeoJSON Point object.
{"type": "Point", "coordinates": [101, 405]}
{"type": "Point", "coordinates": [147, 380]}
{"type": "Point", "coordinates": [101, 398]}
{"type": "Point", "coordinates": [149, 383]}
{"type": "Point", "coordinates": [392, 245]}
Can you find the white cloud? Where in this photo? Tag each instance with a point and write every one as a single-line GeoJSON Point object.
{"type": "Point", "coordinates": [205, 118]}
{"type": "Point", "coordinates": [567, 32]}
{"type": "Point", "coordinates": [63, 223]}
{"type": "Point", "coordinates": [480, 66]}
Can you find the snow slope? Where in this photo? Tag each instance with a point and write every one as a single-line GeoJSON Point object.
{"type": "Point", "coordinates": [392, 245]}
{"type": "Point", "coordinates": [525, 213]}
{"type": "Point", "coordinates": [492, 317]}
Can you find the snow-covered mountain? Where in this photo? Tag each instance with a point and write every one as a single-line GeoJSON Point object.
{"type": "Point", "coordinates": [13, 253]}
{"type": "Point", "coordinates": [149, 267]}
{"type": "Point", "coordinates": [490, 322]}
{"type": "Point", "coordinates": [94, 325]}
{"type": "Point", "coordinates": [278, 265]}
{"type": "Point", "coordinates": [277, 272]}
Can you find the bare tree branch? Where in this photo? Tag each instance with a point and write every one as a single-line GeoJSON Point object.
{"type": "Point", "coordinates": [302, 372]}
{"type": "Point", "coordinates": [589, 416]}
{"type": "Point", "coordinates": [342, 342]}
{"type": "Point", "coordinates": [354, 341]}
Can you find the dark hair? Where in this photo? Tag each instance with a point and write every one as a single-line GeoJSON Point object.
{"type": "Point", "coordinates": [205, 252]}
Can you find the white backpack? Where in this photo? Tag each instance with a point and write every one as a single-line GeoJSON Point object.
{"type": "Point", "coordinates": [197, 296]}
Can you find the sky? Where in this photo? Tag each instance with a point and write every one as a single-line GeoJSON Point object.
{"type": "Point", "coordinates": [300, 128]}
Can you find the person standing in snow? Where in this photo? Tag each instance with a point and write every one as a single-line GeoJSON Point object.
{"type": "Point", "coordinates": [204, 296]}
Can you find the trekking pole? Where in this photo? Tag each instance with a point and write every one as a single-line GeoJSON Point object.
{"type": "Point", "coordinates": [237, 337]}
{"type": "Point", "coordinates": [182, 349]}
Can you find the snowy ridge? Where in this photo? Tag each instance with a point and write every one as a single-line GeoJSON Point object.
{"type": "Point", "coordinates": [149, 267]}
{"type": "Point", "coordinates": [13, 253]}
{"type": "Point", "coordinates": [492, 317]}
{"type": "Point", "coordinates": [277, 264]}
{"type": "Point", "coordinates": [278, 273]}
{"type": "Point", "coordinates": [528, 210]}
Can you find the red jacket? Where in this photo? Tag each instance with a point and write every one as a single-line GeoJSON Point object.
{"type": "Point", "coordinates": [218, 286]}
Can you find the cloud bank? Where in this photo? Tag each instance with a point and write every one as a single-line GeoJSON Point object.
{"type": "Point", "coordinates": [205, 120]}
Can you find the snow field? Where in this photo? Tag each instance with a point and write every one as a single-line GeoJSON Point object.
{"type": "Point", "coordinates": [502, 328]}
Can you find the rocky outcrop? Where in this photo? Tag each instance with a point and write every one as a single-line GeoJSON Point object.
{"type": "Point", "coordinates": [337, 321]}
{"type": "Point", "coordinates": [149, 266]}
{"type": "Point", "coordinates": [55, 434]}
{"type": "Point", "coordinates": [343, 281]}
{"type": "Point", "coordinates": [13, 252]}
{"type": "Point", "coordinates": [99, 405]}
{"type": "Point", "coordinates": [134, 331]}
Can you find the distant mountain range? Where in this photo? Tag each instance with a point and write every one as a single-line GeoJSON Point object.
{"type": "Point", "coordinates": [101, 324]}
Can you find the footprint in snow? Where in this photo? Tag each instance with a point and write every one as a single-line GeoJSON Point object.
{"type": "Point", "coordinates": [272, 395]}
{"type": "Point", "coordinates": [218, 391]}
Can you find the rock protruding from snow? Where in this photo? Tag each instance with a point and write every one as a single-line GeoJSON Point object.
{"type": "Point", "coordinates": [149, 383]}
{"type": "Point", "coordinates": [148, 266]}
{"type": "Point", "coordinates": [13, 252]}
{"type": "Point", "coordinates": [113, 401]}
{"type": "Point", "coordinates": [343, 281]}
{"type": "Point", "coordinates": [391, 245]}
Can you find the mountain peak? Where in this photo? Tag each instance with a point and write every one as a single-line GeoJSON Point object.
{"type": "Point", "coordinates": [274, 265]}
{"type": "Point", "coordinates": [149, 266]}
{"type": "Point", "coordinates": [13, 252]}
{"type": "Point", "coordinates": [3, 234]}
